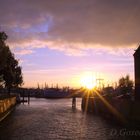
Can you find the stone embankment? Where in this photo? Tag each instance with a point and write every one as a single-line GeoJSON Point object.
{"type": "Point", "coordinates": [6, 106]}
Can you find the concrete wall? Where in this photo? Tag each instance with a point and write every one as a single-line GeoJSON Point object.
{"type": "Point", "coordinates": [7, 103]}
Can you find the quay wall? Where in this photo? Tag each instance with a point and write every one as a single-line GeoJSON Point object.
{"type": "Point", "coordinates": [113, 108]}
{"type": "Point", "coordinates": [6, 106]}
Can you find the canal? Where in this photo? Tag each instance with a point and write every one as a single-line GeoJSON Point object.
{"type": "Point", "coordinates": [52, 119]}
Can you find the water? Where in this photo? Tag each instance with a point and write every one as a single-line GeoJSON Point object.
{"type": "Point", "coordinates": [46, 119]}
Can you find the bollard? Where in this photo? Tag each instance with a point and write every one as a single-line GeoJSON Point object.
{"type": "Point", "coordinates": [28, 98]}
{"type": "Point", "coordinates": [74, 102]}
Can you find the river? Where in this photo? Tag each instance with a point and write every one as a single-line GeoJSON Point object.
{"type": "Point", "coordinates": [52, 119]}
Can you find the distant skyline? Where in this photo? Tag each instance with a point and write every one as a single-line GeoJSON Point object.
{"type": "Point", "coordinates": [59, 41]}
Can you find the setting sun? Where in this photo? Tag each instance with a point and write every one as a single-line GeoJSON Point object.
{"type": "Point", "coordinates": [88, 81]}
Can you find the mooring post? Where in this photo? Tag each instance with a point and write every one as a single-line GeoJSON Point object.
{"type": "Point", "coordinates": [23, 97]}
{"type": "Point", "coordinates": [74, 102]}
{"type": "Point", "coordinates": [28, 98]}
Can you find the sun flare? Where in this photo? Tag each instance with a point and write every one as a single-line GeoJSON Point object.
{"type": "Point", "coordinates": [88, 81]}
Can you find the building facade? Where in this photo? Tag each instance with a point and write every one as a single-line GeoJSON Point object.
{"type": "Point", "coordinates": [137, 73]}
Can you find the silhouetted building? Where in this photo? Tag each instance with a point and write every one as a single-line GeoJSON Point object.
{"type": "Point", "coordinates": [137, 73]}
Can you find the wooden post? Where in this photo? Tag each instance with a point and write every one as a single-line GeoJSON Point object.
{"type": "Point", "coordinates": [23, 96]}
{"type": "Point", "coordinates": [74, 102]}
{"type": "Point", "coordinates": [28, 98]}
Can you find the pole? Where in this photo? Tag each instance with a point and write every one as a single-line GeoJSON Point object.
{"type": "Point", "coordinates": [28, 98]}
{"type": "Point", "coordinates": [23, 96]}
{"type": "Point", "coordinates": [74, 102]}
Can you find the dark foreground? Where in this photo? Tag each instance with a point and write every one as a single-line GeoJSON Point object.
{"type": "Point", "coordinates": [47, 119]}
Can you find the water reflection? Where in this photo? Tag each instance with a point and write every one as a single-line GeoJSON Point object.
{"type": "Point", "coordinates": [54, 119]}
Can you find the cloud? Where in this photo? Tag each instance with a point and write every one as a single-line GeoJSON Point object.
{"type": "Point", "coordinates": [23, 52]}
{"type": "Point", "coordinates": [71, 26]}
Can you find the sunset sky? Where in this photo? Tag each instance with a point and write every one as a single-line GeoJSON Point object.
{"type": "Point", "coordinates": [59, 41]}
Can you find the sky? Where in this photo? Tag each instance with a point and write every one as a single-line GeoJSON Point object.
{"type": "Point", "coordinates": [59, 41]}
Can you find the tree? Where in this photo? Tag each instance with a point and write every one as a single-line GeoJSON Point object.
{"type": "Point", "coordinates": [4, 50]}
{"type": "Point", "coordinates": [10, 72]}
{"type": "Point", "coordinates": [125, 85]}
